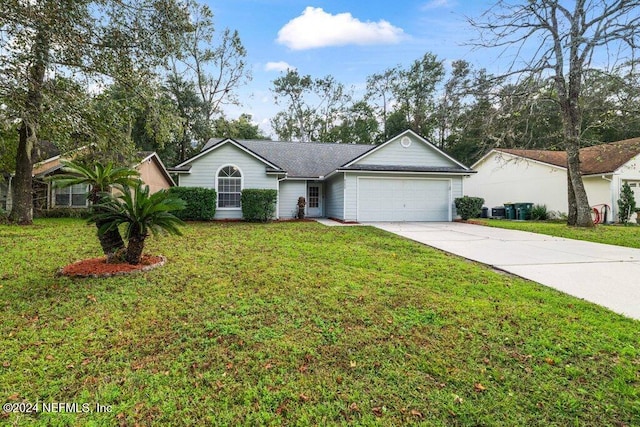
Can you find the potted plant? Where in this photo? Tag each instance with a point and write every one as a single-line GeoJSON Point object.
{"type": "Point", "coordinates": [301, 204]}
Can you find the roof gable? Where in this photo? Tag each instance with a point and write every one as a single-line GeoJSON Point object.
{"type": "Point", "coordinates": [405, 150]}
{"type": "Point", "coordinates": [215, 144]}
{"type": "Point", "coordinates": [152, 156]}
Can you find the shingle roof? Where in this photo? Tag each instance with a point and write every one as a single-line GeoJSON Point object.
{"type": "Point", "coordinates": [597, 159]}
{"type": "Point", "coordinates": [302, 159]}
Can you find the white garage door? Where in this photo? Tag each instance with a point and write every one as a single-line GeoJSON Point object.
{"type": "Point", "coordinates": [388, 199]}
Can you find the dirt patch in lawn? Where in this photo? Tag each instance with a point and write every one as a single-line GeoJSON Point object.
{"type": "Point", "coordinates": [98, 267]}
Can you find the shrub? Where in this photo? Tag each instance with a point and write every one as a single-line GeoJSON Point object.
{"type": "Point", "coordinates": [626, 203]}
{"type": "Point", "coordinates": [539, 213]}
{"type": "Point", "coordinates": [258, 204]}
{"type": "Point", "coordinates": [201, 203]}
{"type": "Point", "coordinates": [469, 207]}
{"type": "Point", "coordinates": [140, 213]}
{"type": "Point", "coordinates": [63, 213]}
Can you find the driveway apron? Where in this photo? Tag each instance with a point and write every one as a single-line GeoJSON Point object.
{"type": "Point", "coordinates": [603, 274]}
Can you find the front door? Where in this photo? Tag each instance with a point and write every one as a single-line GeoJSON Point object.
{"type": "Point", "coordinates": [314, 200]}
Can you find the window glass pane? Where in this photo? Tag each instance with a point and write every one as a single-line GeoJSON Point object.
{"type": "Point", "coordinates": [314, 197]}
{"type": "Point", "coordinates": [229, 200]}
{"type": "Point", "coordinates": [62, 197]}
{"type": "Point", "coordinates": [79, 200]}
{"type": "Point", "coordinates": [229, 187]}
{"type": "Point", "coordinates": [78, 189]}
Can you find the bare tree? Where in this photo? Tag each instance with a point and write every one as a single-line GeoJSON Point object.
{"type": "Point", "coordinates": [381, 86]}
{"type": "Point", "coordinates": [562, 41]}
{"type": "Point", "coordinates": [313, 106]}
{"type": "Point", "coordinates": [216, 70]}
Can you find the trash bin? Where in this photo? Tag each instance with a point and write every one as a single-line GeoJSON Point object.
{"type": "Point", "coordinates": [509, 211]}
{"type": "Point", "coordinates": [523, 210]}
{"type": "Point", "coordinates": [485, 212]}
{"type": "Point", "coordinates": [497, 212]}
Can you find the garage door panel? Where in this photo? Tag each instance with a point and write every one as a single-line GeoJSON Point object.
{"type": "Point", "coordinates": [384, 199]}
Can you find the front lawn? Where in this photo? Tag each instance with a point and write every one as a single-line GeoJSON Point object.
{"type": "Point", "coordinates": [301, 324]}
{"type": "Point", "coordinates": [619, 235]}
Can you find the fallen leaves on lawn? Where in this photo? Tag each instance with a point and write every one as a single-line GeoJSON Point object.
{"type": "Point", "coordinates": [416, 414]}
{"type": "Point", "coordinates": [479, 387]}
{"type": "Point", "coordinates": [379, 411]}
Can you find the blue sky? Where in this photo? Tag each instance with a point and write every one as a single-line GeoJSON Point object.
{"type": "Point", "coordinates": [349, 40]}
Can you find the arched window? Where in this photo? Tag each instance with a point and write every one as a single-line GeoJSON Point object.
{"type": "Point", "coordinates": [229, 187]}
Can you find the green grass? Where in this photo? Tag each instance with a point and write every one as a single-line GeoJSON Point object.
{"type": "Point", "coordinates": [619, 235]}
{"type": "Point", "coordinates": [300, 324]}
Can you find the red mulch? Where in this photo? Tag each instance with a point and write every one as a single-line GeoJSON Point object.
{"type": "Point", "coordinates": [98, 267]}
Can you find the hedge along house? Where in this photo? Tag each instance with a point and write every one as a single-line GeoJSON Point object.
{"type": "Point", "coordinates": [152, 171]}
{"type": "Point", "coordinates": [540, 176]}
{"type": "Point", "coordinates": [404, 179]}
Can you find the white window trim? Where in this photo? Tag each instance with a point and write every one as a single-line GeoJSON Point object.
{"type": "Point", "coordinates": [218, 191]}
{"type": "Point", "coordinates": [70, 205]}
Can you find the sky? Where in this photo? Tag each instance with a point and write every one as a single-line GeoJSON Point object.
{"type": "Point", "coordinates": [348, 39]}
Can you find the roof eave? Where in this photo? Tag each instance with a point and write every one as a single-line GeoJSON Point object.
{"type": "Point", "coordinates": [464, 173]}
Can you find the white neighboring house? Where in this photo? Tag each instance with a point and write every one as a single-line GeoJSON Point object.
{"type": "Point", "coordinates": [540, 176]}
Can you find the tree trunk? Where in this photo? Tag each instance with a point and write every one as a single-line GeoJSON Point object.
{"type": "Point", "coordinates": [22, 195]}
{"type": "Point", "coordinates": [579, 210]}
{"type": "Point", "coordinates": [22, 209]}
{"type": "Point", "coordinates": [572, 214]}
{"type": "Point", "coordinates": [582, 209]}
{"type": "Point", "coordinates": [110, 241]}
{"type": "Point", "coordinates": [134, 249]}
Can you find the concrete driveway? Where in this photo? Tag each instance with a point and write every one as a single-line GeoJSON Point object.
{"type": "Point", "coordinates": [604, 274]}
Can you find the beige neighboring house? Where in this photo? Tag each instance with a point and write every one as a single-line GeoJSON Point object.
{"type": "Point", "coordinates": [540, 176]}
{"type": "Point", "coordinates": [152, 172]}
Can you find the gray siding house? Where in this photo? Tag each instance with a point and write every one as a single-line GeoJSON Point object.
{"type": "Point", "coordinates": [404, 179]}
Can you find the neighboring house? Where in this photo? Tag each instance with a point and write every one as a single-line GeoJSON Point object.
{"type": "Point", "coordinates": [540, 176]}
{"type": "Point", "coordinates": [403, 179]}
{"type": "Point", "coordinates": [46, 196]}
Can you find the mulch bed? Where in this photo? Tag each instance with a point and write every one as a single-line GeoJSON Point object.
{"type": "Point", "coordinates": [98, 267]}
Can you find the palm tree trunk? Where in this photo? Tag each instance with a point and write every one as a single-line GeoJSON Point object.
{"type": "Point", "coordinates": [110, 241]}
{"type": "Point", "coordinates": [134, 249]}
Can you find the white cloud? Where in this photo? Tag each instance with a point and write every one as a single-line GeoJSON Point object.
{"type": "Point", "coordinates": [436, 4]}
{"type": "Point", "coordinates": [316, 28]}
{"type": "Point", "coordinates": [278, 66]}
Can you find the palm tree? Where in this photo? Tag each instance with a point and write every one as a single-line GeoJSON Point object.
{"type": "Point", "coordinates": [100, 180]}
{"type": "Point", "coordinates": [141, 213]}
